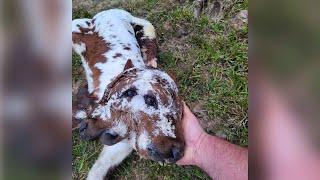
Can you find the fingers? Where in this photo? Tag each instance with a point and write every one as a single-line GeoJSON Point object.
{"type": "Point", "coordinates": [189, 117]}
{"type": "Point", "coordinates": [187, 112]}
{"type": "Point", "coordinates": [192, 131]}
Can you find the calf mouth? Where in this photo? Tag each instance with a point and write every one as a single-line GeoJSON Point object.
{"type": "Point", "coordinates": [84, 135]}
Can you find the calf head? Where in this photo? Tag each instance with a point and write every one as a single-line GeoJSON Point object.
{"type": "Point", "coordinates": [143, 106]}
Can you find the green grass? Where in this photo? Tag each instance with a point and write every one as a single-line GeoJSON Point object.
{"type": "Point", "coordinates": [210, 62]}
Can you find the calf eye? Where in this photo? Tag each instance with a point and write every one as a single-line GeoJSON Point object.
{"type": "Point", "coordinates": [151, 101]}
{"type": "Point", "coordinates": [129, 93]}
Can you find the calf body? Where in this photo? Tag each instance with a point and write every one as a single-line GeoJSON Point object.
{"type": "Point", "coordinates": [132, 105]}
{"type": "Point", "coordinates": [106, 43]}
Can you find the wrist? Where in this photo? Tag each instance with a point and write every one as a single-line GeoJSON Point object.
{"type": "Point", "coordinates": [199, 149]}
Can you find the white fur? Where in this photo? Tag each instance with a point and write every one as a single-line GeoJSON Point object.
{"type": "Point", "coordinates": [81, 115]}
{"type": "Point", "coordinates": [166, 127]}
{"type": "Point", "coordinates": [144, 140]}
{"type": "Point", "coordinates": [108, 158]}
{"type": "Point", "coordinates": [133, 140]}
{"type": "Point", "coordinates": [79, 49]}
{"type": "Point", "coordinates": [102, 112]}
{"type": "Point", "coordinates": [120, 128]}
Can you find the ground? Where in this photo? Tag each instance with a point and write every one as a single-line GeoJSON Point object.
{"type": "Point", "coordinates": [208, 56]}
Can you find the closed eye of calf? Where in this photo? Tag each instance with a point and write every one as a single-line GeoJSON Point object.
{"type": "Point", "coordinates": [130, 93]}
{"type": "Point", "coordinates": [151, 101]}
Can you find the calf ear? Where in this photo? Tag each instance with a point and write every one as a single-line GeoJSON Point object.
{"type": "Point", "coordinates": [110, 137]}
{"type": "Point", "coordinates": [128, 65]}
{"type": "Point", "coordinates": [116, 80]}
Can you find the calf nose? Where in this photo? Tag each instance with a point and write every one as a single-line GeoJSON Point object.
{"type": "Point", "coordinates": [83, 126]}
{"type": "Point", "coordinates": [169, 155]}
{"type": "Point", "coordinates": [154, 153]}
{"type": "Point", "coordinates": [88, 133]}
{"type": "Point", "coordinates": [176, 154]}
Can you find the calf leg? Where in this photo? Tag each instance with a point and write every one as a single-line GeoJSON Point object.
{"type": "Point", "coordinates": [109, 157]}
{"type": "Point", "coordinates": [146, 36]}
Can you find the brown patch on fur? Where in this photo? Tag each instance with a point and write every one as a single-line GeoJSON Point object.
{"type": "Point", "coordinates": [172, 75]}
{"type": "Point", "coordinates": [164, 82]}
{"type": "Point", "coordinates": [147, 122]}
{"type": "Point", "coordinates": [163, 96]}
{"type": "Point", "coordinates": [95, 48]}
{"type": "Point", "coordinates": [81, 101]}
{"type": "Point", "coordinates": [149, 51]}
{"type": "Point", "coordinates": [117, 55]}
{"type": "Point", "coordinates": [95, 127]}
{"type": "Point", "coordinates": [138, 30]}
{"type": "Point", "coordinates": [128, 65]}
{"type": "Point", "coordinates": [83, 98]}
{"type": "Point", "coordinates": [127, 48]}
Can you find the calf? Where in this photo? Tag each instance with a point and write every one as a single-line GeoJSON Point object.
{"type": "Point", "coordinates": [131, 104]}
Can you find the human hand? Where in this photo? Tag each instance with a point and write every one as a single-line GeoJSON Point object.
{"type": "Point", "coordinates": [218, 158]}
{"type": "Point", "coordinates": [193, 135]}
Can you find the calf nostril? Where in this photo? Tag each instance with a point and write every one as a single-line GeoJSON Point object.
{"type": "Point", "coordinates": [175, 153]}
{"type": "Point", "coordinates": [83, 127]}
{"type": "Point", "coordinates": [111, 134]}
{"type": "Point", "coordinates": [150, 149]}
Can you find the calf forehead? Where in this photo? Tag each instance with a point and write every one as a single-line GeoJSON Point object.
{"type": "Point", "coordinates": [148, 78]}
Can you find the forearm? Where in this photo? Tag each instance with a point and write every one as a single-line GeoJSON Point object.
{"type": "Point", "coordinates": [221, 159]}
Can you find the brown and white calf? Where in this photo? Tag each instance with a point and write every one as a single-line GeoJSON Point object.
{"type": "Point", "coordinates": [131, 104]}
